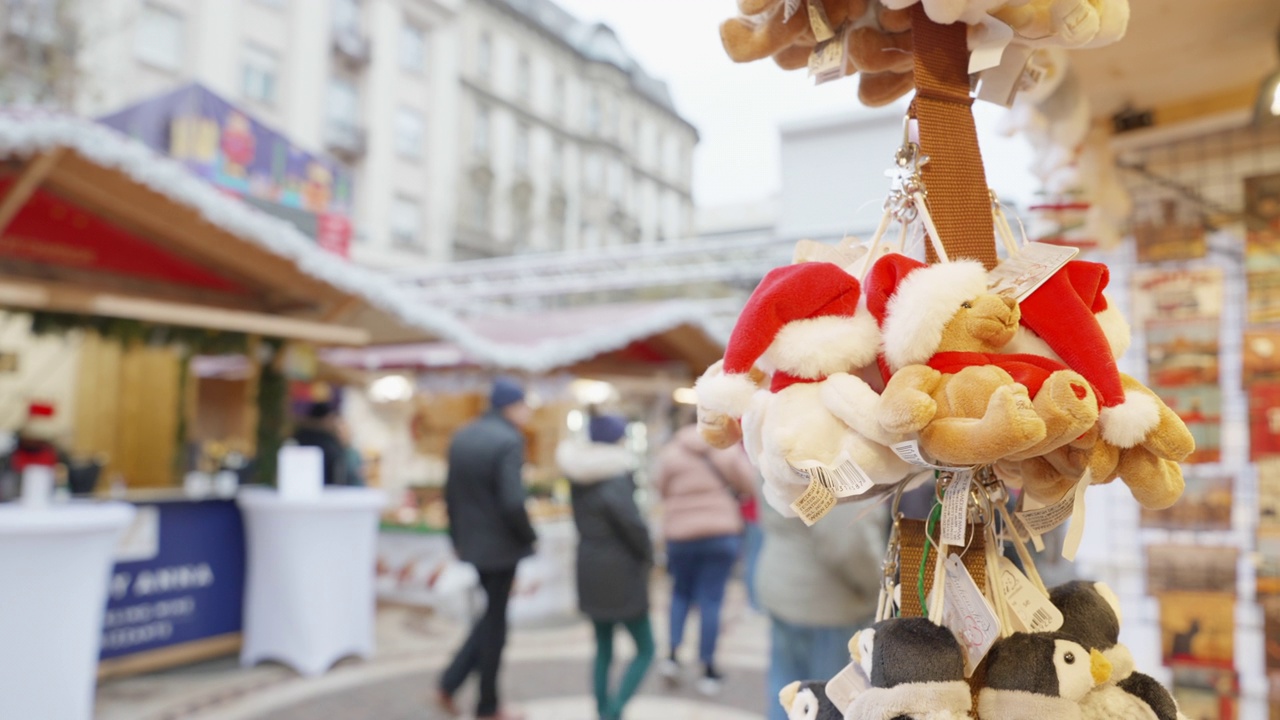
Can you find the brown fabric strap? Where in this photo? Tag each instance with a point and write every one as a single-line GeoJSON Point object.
{"type": "Point", "coordinates": [954, 179]}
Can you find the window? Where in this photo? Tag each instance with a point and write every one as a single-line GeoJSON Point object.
{"type": "Point", "coordinates": [524, 76]}
{"type": "Point", "coordinates": [522, 147]}
{"type": "Point", "coordinates": [484, 56]}
{"type": "Point", "coordinates": [480, 207]}
{"type": "Point", "coordinates": [558, 95]}
{"type": "Point", "coordinates": [406, 222]}
{"type": "Point", "coordinates": [593, 113]}
{"type": "Point", "coordinates": [557, 160]}
{"type": "Point", "coordinates": [343, 106]}
{"type": "Point", "coordinates": [594, 172]}
{"type": "Point", "coordinates": [480, 132]}
{"type": "Point", "coordinates": [615, 181]}
{"type": "Point", "coordinates": [409, 133]}
{"type": "Point", "coordinates": [159, 40]}
{"type": "Point", "coordinates": [258, 74]}
{"type": "Point", "coordinates": [413, 48]}
{"type": "Point", "coordinates": [278, 4]}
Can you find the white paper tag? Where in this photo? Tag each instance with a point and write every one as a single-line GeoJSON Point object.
{"type": "Point", "coordinates": [955, 510]}
{"type": "Point", "coordinates": [910, 451]}
{"type": "Point", "coordinates": [1020, 275]}
{"type": "Point", "coordinates": [1038, 521]}
{"type": "Point", "coordinates": [1030, 610]}
{"type": "Point", "coordinates": [844, 478]}
{"type": "Point", "coordinates": [846, 686]}
{"type": "Point", "coordinates": [1076, 532]}
{"type": "Point", "coordinates": [1041, 520]}
{"type": "Point", "coordinates": [789, 10]}
{"type": "Point", "coordinates": [987, 42]}
{"type": "Point", "coordinates": [967, 614]}
{"type": "Point", "coordinates": [818, 20]}
{"type": "Point", "coordinates": [1000, 84]}
{"type": "Point", "coordinates": [814, 503]}
{"type": "Point", "coordinates": [827, 61]}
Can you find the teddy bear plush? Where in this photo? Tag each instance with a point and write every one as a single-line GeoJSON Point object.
{"type": "Point", "coordinates": [720, 429]}
{"type": "Point", "coordinates": [802, 325]}
{"type": "Point", "coordinates": [971, 405]}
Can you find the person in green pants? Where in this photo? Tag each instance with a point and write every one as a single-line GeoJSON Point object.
{"type": "Point", "coordinates": [614, 554]}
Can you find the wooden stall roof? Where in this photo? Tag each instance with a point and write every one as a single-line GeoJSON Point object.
{"type": "Point", "coordinates": [621, 338]}
{"type": "Point", "coordinates": [93, 222]}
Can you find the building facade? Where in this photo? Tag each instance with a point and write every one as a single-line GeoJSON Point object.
{"type": "Point", "coordinates": [473, 127]}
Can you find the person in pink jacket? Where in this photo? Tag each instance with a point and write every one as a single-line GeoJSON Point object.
{"type": "Point", "coordinates": [702, 521]}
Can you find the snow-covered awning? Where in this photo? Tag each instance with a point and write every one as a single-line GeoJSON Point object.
{"type": "Point", "coordinates": [602, 336]}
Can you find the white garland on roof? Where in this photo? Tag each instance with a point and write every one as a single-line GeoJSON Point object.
{"type": "Point", "coordinates": [25, 133]}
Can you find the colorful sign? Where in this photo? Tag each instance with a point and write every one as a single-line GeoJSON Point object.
{"type": "Point", "coordinates": [225, 146]}
{"type": "Point", "coordinates": [179, 577]}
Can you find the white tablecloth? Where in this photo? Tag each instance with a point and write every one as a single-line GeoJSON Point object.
{"type": "Point", "coordinates": [309, 597]}
{"type": "Point", "coordinates": [55, 563]}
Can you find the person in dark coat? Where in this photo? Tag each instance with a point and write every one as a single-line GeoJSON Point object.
{"type": "Point", "coordinates": [320, 429]}
{"type": "Point", "coordinates": [490, 529]}
{"type": "Point", "coordinates": [615, 554]}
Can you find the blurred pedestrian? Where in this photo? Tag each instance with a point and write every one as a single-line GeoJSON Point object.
{"type": "Point", "coordinates": [702, 522]}
{"type": "Point", "coordinates": [752, 541]}
{"type": "Point", "coordinates": [353, 461]}
{"type": "Point", "coordinates": [320, 429]}
{"type": "Point", "coordinates": [820, 585]}
{"type": "Point", "coordinates": [490, 528]}
{"type": "Point", "coordinates": [614, 554]}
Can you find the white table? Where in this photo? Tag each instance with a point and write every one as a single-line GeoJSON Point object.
{"type": "Point", "coordinates": [55, 563]}
{"type": "Point", "coordinates": [309, 598]}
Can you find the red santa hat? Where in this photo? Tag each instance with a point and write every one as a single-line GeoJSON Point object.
{"type": "Point", "coordinates": [40, 423]}
{"type": "Point", "coordinates": [1071, 317]}
{"type": "Point", "coordinates": [913, 302]}
{"type": "Point", "coordinates": [802, 320]}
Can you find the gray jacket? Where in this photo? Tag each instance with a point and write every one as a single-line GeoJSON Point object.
{"type": "Point", "coordinates": [615, 554]}
{"type": "Point", "coordinates": [827, 575]}
{"type": "Point", "coordinates": [485, 495]}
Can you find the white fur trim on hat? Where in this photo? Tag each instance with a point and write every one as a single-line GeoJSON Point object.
{"type": "Point", "coordinates": [817, 347]}
{"type": "Point", "coordinates": [1115, 328]}
{"type": "Point", "coordinates": [920, 701]}
{"type": "Point", "coordinates": [727, 393]}
{"type": "Point", "coordinates": [922, 305]}
{"type": "Point", "coordinates": [1127, 424]}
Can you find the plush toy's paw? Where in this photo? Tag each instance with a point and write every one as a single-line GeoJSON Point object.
{"type": "Point", "coordinates": [718, 429]}
{"type": "Point", "coordinates": [1156, 483]}
{"type": "Point", "coordinates": [880, 89]}
{"type": "Point", "coordinates": [1010, 425]}
{"type": "Point", "coordinates": [871, 51]}
{"type": "Point", "coordinates": [1067, 404]}
{"type": "Point", "coordinates": [1011, 414]}
{"type": "Point", "coordinates": [755, 37]}
{"type": "Point", "coordinates": [907, 405]}
{"type": "Point", "coordinates": [1043, 482]}
{"type": "Point", "coordinates": [795, 57]}
{"type": "Point", "coordinates": [1171, 439]}
{"type": "Point", "coordinates": [850, 399]}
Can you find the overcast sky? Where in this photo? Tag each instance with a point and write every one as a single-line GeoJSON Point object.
{"type": "Point", "coordinates": [737, 108]}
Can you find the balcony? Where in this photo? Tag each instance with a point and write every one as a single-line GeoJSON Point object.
{"type": "Point", "coordinates": [351, 46]}
{"type": "Point", "coordinates": [347, 140]}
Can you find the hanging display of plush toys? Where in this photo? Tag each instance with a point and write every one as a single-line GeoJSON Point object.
{"type": "Point", "coordinates": [989, 369]}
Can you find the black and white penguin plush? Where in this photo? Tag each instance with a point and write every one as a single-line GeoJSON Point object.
{"type": "Point", "coordinates": [916, 668]}
{"type": "Point", "coordinates": [1091, 616]}
{"type": "Point", "coordinates": [807, 700]}
{"type": "Point", "coordinates": [1041, 676]}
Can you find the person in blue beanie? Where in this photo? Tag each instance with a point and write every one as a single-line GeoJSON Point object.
{"type": "Point", "coordinates": [490, 528]}
{"type": "Point", "coordinates": [615, 555]}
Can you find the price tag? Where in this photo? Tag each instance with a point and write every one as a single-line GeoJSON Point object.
{"type": "Point", "coordinates": [909, 450]}
{"type": "Point", "coordinates": [816, 502]}
{"type": "Point", "coordinates": [1031, 610]}
{"type": "Point", "coordinates": [1039, 521]}
{"type": "Point", "coordinates": [827, 62]}
{"type": "Point", "coordinates": [844, 478]}
{"type": "Point", "coordinates": [955, 510]}
{"type": "Point", "coordinates": [967, 614]}
{"type": "Point", "coordinates": [1020, 275]}
{"type": "Point", "coordinates": [846, 686]}
{"type": "Point", "coordinates": [820, 23]}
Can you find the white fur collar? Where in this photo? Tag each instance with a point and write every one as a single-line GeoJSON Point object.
{"type": "Point", "coordinates": [921, 701]}
{"type": "Point", "coordinates": [1021, 705]}
{"type": "Point", "coordinates": [588, 462]}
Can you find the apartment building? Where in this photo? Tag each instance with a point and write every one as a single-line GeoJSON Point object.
{"type": "Point", "coordinates": [473, 127]}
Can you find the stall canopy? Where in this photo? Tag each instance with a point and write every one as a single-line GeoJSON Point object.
{"type": "Point", "coordinates": [615, 338]}
{"type": "Point", "coordinates": [94, 223]}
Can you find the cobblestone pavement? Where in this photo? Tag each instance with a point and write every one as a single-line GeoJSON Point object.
{"type": "Point", "coordinates": [546, 673]}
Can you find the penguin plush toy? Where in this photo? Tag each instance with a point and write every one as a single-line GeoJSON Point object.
{"type": "Point", "coordinates": [916, 669]}
{"type": "Point", "coordinates": [1091, 616]}
{"type": "Point", "coordinates": [1041, 676]}
{"type": "Point", "coordinates": [807, 700]}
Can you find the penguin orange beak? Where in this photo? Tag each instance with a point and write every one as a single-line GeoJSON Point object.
{"type": "Point", "coordinates": [787, 696]}
{"type": "Point", "coordinates": [1099, 667]}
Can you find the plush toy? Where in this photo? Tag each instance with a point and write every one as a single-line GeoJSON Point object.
{"type": "Point", "coordinates": [878, 39]}
{"type": "Point", "coordinates": [916, 668]}
{"type": "Point", "coordinates": [943, 336]}
{"type": "Point", "coordinates": [1041, 676]}
{"type": "Point", "coordinates": [807, 700]}
{"type": "Point", "coordinates": [721, 430]}
{"type": "Point", "coordinates": [802, 325]}
{"type": "Point", "coordinates": [1091, 616]}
